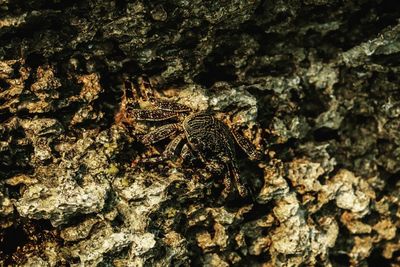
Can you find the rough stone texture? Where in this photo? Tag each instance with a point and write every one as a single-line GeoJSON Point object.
{"type": "Point", "coordinates": [314, 84]}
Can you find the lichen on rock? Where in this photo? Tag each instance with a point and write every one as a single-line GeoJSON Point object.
{"type": "Point", "coordinates": [313, 85]}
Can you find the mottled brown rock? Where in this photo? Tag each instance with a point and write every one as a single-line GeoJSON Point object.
{"type": "Point", "coordinates": [314, 84]}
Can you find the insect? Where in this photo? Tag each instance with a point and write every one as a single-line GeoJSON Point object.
{"type": "Point", "coordinates": [196, 134]}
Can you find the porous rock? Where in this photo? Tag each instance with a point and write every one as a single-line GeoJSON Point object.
{"type": "Point", "coordinates": [312, 84]}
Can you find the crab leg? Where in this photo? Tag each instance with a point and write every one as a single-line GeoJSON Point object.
{"type": "Point", "coordinates": [236, 178]}
{"type": "Point", "coordinates": [172, 148]}
{"type": "Point", "coordinates": [151, 115]}
{"type": "Point", "coordinates": [228, 187]}
{"type": "Point", "coordinates": [160, 133]}
{"type": "Point", "coordinates": [246, 146]}
{"type": "Point", "coordinates": [145, 88]}
{"type": "Point", "coordinates": [169, 105]}
{"type": "Point", "coordinates": [187, 155]}
{"type": "Point", "coordinates": [121, 115]}
{"type": "Point", "coordinates": [170, 151]}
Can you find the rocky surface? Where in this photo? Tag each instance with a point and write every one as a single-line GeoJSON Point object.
{"type": "Point", "coordinates": [314, 84]}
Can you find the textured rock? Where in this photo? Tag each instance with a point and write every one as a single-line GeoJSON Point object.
{"type": "Point", "coordinates": [312, 84]}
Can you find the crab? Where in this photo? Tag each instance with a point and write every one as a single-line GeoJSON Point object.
{"type": "Point", "coordinates": [196, 134]}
